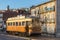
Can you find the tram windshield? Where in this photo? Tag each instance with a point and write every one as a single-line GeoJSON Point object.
{"type": "Point", "coordinates": [35, 22]}
{"type": "Point", "coordinates": [28, 22]}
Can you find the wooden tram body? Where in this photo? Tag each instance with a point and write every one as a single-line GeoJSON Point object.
{"type": "Point", "coordinates": [22, 25]}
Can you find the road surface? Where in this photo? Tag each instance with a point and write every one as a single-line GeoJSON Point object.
{"type": "Point", "coordinates": [4, 36]}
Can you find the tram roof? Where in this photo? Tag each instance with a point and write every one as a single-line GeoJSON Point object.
{"type": "Point", "coordinates": [18, 17]}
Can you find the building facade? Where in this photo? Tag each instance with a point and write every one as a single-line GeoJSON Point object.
{"type": "Point", "coordinates": [34, 11]}
{"type": "Point", "coordinates": [1, 20]}
{"type": "Point", "coordinates": [49, 17]}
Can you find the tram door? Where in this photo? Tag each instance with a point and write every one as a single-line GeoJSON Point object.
{"type": "Point", "coordinates": [28, 24]}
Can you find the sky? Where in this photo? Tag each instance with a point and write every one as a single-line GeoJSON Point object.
{"type": "Point", "coordinates": [15, 4]}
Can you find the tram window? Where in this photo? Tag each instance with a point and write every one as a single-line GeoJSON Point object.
{"type": "Point", "coordinates": [16, 23]}
{"type": "Point", "coordinates": [23, 23]}
{"type": "Point", "coordinates": [8, 24]}
{"type": "Point", "coordinates": [19, 23]}
{"type": "Point", "coordinates": [28, 22]}
{"type": "Point", "coordinates": [13, 23]}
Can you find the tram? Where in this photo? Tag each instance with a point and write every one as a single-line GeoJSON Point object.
{"type": "Point", "coordinates": [23, 25]}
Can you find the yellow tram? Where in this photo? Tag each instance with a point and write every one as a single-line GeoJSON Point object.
{"type": "Point", "coordinates": [23, 25]}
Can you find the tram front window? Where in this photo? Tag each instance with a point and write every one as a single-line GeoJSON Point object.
{"type": "Point", "coordinates": [28, 22]}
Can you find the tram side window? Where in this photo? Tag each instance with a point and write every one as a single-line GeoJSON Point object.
{"type": "Point", "coordinates": [16, 23]}
{"type": "Point", "coordinates": [8, 24]}
{"type": "Point", "coordinates": [19, 23]}
{"type": "Point", "coordinates": [13, 23]}
{"type": "Point", "coordinates": [23, 23]}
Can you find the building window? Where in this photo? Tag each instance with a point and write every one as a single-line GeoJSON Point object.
{"type": "Point", "coordinates": [38, 12]}
{"type": "Point", "coordinates": [46, 9]}
{"type": "Point", "coordinates": [1, 22]}
{"type": "Point", "coordinates": [1, 15]}
{"type": "Point", "coordinates": [35, 13]}
{"type": "Point", "coordinates": [53, 8]}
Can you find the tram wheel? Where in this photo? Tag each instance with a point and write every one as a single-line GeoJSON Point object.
{"type": "Point", "coordinates": [7, 31]}
{"type": "Point", "coordinates": [27, 34]}
{"type": "Point", "coordinates": [13, 33]}
{"type": "Point", "coordinates": [23, 34]}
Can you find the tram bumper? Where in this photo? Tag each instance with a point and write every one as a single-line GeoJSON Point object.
{"type": "Point", "coordinates": [36, 30]}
